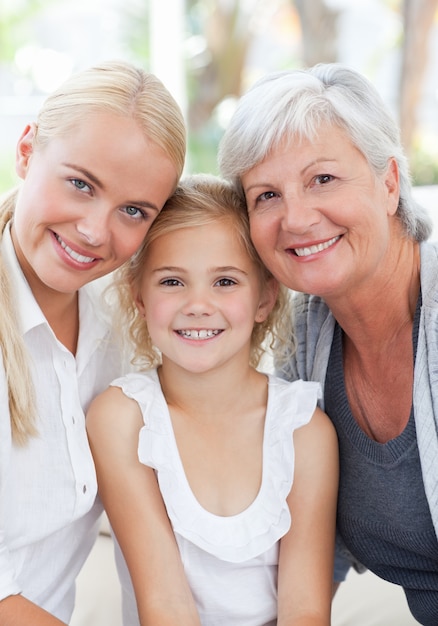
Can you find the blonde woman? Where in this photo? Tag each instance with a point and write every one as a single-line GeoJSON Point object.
{"type": "Point", "coordinates": [104, 154]}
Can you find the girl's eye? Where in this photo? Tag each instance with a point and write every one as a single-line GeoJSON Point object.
{"type": "Point", "coordinates": [135, 212]}
{"type": "Point", "coordinates": [323, 178]}
{"type": "Point", "coordinates": [226, 282]}
{"type": "Point", "coordinates": [80, 184]}
{"type": "Point", "coordinates": [171, 282]}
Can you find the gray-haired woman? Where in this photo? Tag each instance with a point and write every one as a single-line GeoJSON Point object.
{"type": "Point", "coordinates": [318, 157]}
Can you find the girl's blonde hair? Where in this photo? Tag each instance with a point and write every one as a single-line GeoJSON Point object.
{"type": "Point", "coordinates": [199, 200]}
{"type": "Point", "coordinates": [116, 87]}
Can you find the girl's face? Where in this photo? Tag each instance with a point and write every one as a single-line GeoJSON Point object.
{"type": "Point", "coordinates": [200, 294]}
{"type": "Point", "coordinates": [320, 218]}
{"type": "Point", "coordinates": [87, 201]}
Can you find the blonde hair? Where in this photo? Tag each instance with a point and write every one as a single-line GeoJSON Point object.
{"type": "Point", "coordinates": [199, 200]}
{"type": "Point", "coordinates": [114, 86]}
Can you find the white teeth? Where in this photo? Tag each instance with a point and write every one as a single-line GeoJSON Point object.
{"type": "Point", "coordinates": [74, 255]}
{"type": "Point", "coordinates": [198, 334]}
{"type": "Point", "coordinates": [314, 249]}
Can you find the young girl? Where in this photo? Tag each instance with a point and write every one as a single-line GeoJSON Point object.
{"type": "Point", "coordinates": [105, 153]}
{"type": "Point", "coordinates": [251, 503]}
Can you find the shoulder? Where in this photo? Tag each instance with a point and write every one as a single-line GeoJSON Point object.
{"type": "Point", "coordinates": [309, 309]}
{"type": "Point", "coordinates": [319, 428]}
{"type": "Point", "coordinates": [298, 396]}
{"type": "Point", "coordinates": [429, 268]}
{"type": "Point", "coordinates": [316, 445]}
{"type": "Point", "coordinates": [313, 329]}
{"type": "Point", "coordinates": [429, 258]}
{"type": "Point", "coordinates": [122, 405]}
{"type": "Point", "coordinates": [111, 413]}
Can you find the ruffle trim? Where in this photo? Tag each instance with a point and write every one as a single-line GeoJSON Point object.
{"type": "Point", "coordinates": [248, 534]}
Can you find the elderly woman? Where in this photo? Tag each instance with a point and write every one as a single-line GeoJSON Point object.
{"type": "Point", "coordinates": [318, 158]}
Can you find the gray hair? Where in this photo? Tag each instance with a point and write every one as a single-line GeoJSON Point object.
{"type": "Point", "coordinates": [296, 103]}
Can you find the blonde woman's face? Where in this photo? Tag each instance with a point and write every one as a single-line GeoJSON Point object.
{"type": "Point", "coordinates": [87, 200]}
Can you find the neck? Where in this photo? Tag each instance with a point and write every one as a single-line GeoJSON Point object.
{"type": "Point", "coordinates": [62, 314]}
{"type": "Point", "coordinates": [373, 315]}
{"type": "Point", "coordinates": [216, 392]}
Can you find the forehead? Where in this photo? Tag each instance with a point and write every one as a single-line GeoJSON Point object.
{"type": "Point", "coordinates": [329, 143]}
{"type": "Point", "coordinates": [321, 135]}
{"type": "Point", "coordinates": [220, 237]}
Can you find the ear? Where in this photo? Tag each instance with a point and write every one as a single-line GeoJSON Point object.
{"type": "Point", "coordinates": [24, 150]}
{"type": "Point", "coordinates": [392, 185]}
{"type": "Point", "coordinates": [268, 300]}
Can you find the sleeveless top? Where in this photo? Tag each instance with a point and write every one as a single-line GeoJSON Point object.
{"type": "Point", "coordinates": [230, 562]}
{"type": "Point", "coordinates": [383, 514]}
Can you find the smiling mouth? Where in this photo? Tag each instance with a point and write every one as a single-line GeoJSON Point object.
{"type": "Point", "coordinates": [80, 258]}
{"type": "Point", "coordinates": [199, 334]}
{"type": "Point", "coordinates": [316, 248]}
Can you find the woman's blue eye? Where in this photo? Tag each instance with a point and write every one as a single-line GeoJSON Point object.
{"type": "Point", "coordinates": [134, 211]}
{"type": "Point", "coordinates": [80, 184]}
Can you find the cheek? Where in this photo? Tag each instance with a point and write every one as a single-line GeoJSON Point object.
{"type": "Point", "coordinates": [243, 311]}
{"type": "Point", "coordinates": [263, 235]}
{"type": "Point", "coordinates": [159, 311]}
{"type": "Point", "coordinates": [126, 241]}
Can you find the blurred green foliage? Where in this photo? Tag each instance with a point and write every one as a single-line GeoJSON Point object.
{"type": "Point", "coordinates": [8, 177]}
{"type": "Point", "coordinates": [16, 24]}
{"type": "Point", "coordinates": [424, 167]}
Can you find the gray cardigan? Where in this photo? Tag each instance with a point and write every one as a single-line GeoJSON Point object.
{"type": "Point", "coordinates": [314, 327]}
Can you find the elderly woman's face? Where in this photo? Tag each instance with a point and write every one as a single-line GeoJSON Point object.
{"type": "Point", "coordinates": [320, 218]}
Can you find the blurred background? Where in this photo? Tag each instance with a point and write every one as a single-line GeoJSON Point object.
{"type": "Point", "coordinates": [208, 52]}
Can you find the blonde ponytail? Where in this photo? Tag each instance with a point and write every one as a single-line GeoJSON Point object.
{"type": "Point", "coordinates": [15, 357]}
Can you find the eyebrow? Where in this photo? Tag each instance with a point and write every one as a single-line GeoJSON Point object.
{"type": "Point", "coordinates": [303, 171]}
{"type": "Point", "coordinates": [86, 173]}
{"type": "Point", "coordinates": [317, 161]}
{"type": "Point", "coordinates": [221, 269]}
{"type": "Point", "coordinates": [96, 181]}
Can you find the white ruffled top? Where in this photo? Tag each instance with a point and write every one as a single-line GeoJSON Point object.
{"type": "Point", "coordinates": [255, 530]}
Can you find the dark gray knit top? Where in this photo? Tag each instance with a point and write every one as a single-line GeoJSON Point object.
{"type": "Point", "coordinates": [383, 515]}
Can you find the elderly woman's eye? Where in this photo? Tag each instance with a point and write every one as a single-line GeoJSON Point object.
{"type": "Point", "coordinates": [267, 195]}
{"type": "Point", "coordinates": [323, 178]}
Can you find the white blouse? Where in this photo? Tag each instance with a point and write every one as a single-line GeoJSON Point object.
{"type": "Point", "coordinates": [48, 515]}
{"type": "Point", "coordinates": [231, 562]}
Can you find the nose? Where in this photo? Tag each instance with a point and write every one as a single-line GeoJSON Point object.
{"type": "Point", "coordinates": [94, 227]}
{"type": "Point", "coordinates": [199, 302]}
{"type": "Point", "coordinates": [300, 212]}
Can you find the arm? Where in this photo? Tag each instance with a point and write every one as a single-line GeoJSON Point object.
{"type": "Point", "coordinates": [307, 550]}
{"type": "Point", "coordinates": [133, 502]}
{"type": "Point", "coordinates": [18, 611]}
